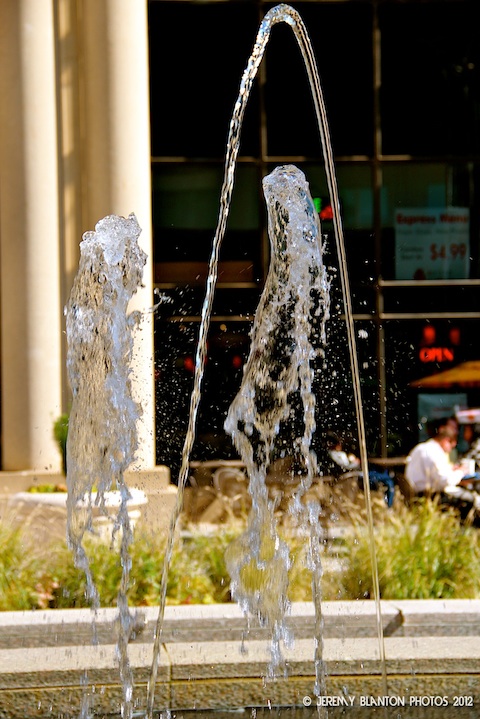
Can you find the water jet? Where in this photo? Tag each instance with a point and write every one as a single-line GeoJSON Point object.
{"type": "Point", "coordinates": [354, 661]}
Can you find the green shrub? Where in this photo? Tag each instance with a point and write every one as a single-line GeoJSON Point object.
{"type": "Point", "coordinates": [422, 553]}
{"type": "Point", "coordinates": [60, 433]}
{"type": "Point", "coordinates": [197, 573]}
{"type": "Point", "coordinates": [25, 581]}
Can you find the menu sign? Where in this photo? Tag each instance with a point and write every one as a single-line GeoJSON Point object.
{"type": "Point", "coordinates": [432, 243]}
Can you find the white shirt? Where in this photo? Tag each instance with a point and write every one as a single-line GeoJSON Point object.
{"type": "Point", "coordinates": [345, 461]}
{"type": "Point", "coordinates": [429, 468]}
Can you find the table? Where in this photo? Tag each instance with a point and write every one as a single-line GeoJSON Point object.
{"type": "Point", "coordinates": [388, 461]}
{"type": "Point", "coordinates": [216, 463]}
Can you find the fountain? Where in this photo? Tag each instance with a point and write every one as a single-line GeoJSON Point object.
{"type": "Point", "coordinates": [293, 308]}
{"type": "Point", "coordinates": [200, 657]}
{"type": "Point", "coordinates": [277, 291]}
{"type": "Point", "coordinates": [102, 437]}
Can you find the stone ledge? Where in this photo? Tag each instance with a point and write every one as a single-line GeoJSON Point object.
{"type": "Point", "coordinates": [60, 666]}
{"type": "Point", "coordinates": [149, 480]}
{"type": "Point", "coordinates": [216, 673]}
{"type": "Point", "coordinates": [414, 611]}
{"type": "Point", "coordinates": [20, 481]}
{"type": "Point", "coordinates": [66, 627]}
{"type": "Point", "coordinates": [49, 523]}
{"type": "Point", "coordinates": [226, 621]}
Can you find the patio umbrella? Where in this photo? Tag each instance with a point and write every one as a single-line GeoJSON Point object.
{"type": "Point", "coordinates": [466, 374]}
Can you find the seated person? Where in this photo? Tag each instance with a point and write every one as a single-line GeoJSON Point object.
{"type": "Point", "coordinates": [342, 462]}
{"type": "Point", "coordinates": [430, 471]}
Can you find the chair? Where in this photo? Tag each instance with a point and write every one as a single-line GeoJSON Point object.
{"type": "Point", "coordinates": [229, 481]}
{"type": "Point", "coordinates": [231, 486]}
{"type": "Point", "coordinates": [406, 488]}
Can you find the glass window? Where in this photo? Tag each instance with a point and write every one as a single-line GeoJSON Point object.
{"type": "Point", "coordinates": [430, 95]}
{"type": "Point", "coordinates": [228, 348]}
{"type": "Point", "coordinates": [341, 37]}
{"type": "Point", "coordinates": [198, 53]}
{"type": "Point", "coordinates": [356, 203]}
{"type": "Point", "coordinates": [430, 231]}
{"type": "Point", "coordinates": [186, 204]}
{"type": "Point", "coordinates": [431, 299]}
{"type": "Point", "coordinates": [415, 349]}
{"type": "Point", "coordinates": [354, 188]}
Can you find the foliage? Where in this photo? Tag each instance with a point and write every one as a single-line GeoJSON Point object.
{"type": "Point", "coordinates": [423, 552]}
{"type": "Point", "coordinates": [197, 572]}
{"type": "Point", "coordinates": [60, 433]}
{"type": "Point", "coordinates": [25, 582]}
{"type": "Point", "coordinates": [47, 488]}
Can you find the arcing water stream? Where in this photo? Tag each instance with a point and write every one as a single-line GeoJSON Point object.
{"type": "Point", "coordinates": [280, 13]}
{"type": "Point", "coordinates": [287, 370]}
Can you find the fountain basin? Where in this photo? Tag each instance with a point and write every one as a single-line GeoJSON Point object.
{"type": "Point", "coordinates": [45, 513]}
{"type": "Point", "coordinates": [47, 660]}
{"type": "Point", "coordinates": [103, 520]}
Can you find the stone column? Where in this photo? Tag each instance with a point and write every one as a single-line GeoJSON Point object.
{"type": "Point", "coordinates": [31, 308]}
{"type": "Point", "coordinates": [71, 195]}
{"type": "Point", "coordinates": [116, 159]}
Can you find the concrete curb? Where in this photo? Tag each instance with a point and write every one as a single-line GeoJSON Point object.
{"type": "Point", "coordinates": [211, 660]}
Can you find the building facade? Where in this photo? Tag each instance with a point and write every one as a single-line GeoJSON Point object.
{"type": "Point", "coordinates": [119, 106]}
{"type": "Point", "coordinates": [401, 81]}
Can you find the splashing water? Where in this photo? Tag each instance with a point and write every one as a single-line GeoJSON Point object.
{"type": "Point", "coordinates": [279, 13]}
{"type": "Point", "coordinates": [102, 436]}
{"type": "Point", "coordinates": [293, 307]}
